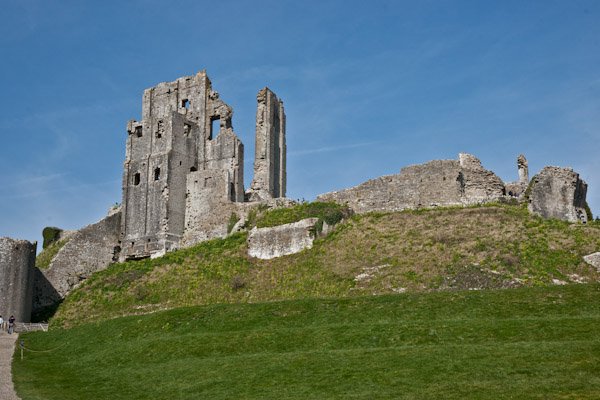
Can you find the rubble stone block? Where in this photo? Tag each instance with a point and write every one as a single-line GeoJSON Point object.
{"type": "Point", "coordinates": [558, 193]}
{"type": "Point", "coordinates": [267, 243]}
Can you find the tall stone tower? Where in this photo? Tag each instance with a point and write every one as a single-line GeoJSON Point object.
{"type": "Point", "coordinates": [185, 129]}
{"type": "Point", "coordinates": [269, 163]}
{"type": "Point", "coordinates": [523, 168]}
{"type": "Point", "coordinates": [17, 261]}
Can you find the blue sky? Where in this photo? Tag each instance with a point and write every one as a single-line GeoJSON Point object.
{"type": "Point", "coordinates": [368, 87]}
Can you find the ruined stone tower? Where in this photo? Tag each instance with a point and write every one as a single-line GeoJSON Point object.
{"type": "Point", "coordinates": [185, 129]}
{"type": "Point", "coordinates": [17, 261]}
{"type": "Point", "coordinates": [269, 163]}
{"type": "Point", "coordinates": [523, 168]}
{"type": "Point", "coordinates": [518, 188]}
{"type": "Point", "coordinates": [183, 175]}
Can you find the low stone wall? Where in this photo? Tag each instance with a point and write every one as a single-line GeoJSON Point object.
{"type": "Point", "coordinates": [17, 261]}
{"type": "Point", "coordinates": [558, 193]}
{"type": "Point", "coordinates": [88, 250]}
{"type": "Point", "coordinates": [267, 243]}
{"type": "Point", "coordinates": [435, 183]}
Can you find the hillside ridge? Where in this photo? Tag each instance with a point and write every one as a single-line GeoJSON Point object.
{"type": "Point", "coordinates": [478, 247]}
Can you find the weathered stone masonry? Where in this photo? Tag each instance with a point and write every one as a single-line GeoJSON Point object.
{"type": "Point", "coordinates": [183, 180]}
{"type": "Point", "coordinates": [17, 261]}
{"type": "Point", "coordinates": [435, 183]}
{"type": "Point", "coordinates": [183, 173]}
{"type": "Point", "coordinates": [270, 152]}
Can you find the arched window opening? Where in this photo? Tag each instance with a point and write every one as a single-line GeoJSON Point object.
{"type": "Point", "coordinates": [136, 178]}
{"type": "Point", "coordinates": [157, 174]}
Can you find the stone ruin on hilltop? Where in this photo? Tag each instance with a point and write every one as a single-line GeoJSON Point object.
{"type": "Point", "coordinates": [184, 166]}
{"type": "Point", "coordinates": [183, 183]}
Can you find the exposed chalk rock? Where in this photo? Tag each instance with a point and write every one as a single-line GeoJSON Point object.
{"type": "Point", "coordinates": [593, 259]}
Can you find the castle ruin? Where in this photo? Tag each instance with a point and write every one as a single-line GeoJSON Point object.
{"type": "Point", "coordinates": [183, 183]}
{"type": "Point", "coordinates": [17, 261]}
{"type": "Point", "coordinates": [184, 166]}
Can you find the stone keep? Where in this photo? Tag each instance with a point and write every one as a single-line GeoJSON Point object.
{"type": "Point", "coordinates": [183, 174]}
{"type": "Point", "coordinates": [270, 151]}
{"type": "Point", "coordinates": [17, 261]}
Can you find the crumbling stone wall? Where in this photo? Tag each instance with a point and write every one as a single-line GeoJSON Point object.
{"type": "Point", "coordinates": [267, 243]}
{"type": "Point", "coordinates": [558, 193]}
{"type": "Point", "coordinates": [435, 183]}
{"type": "Point", "coordinates": [88, 250]}
{"type": "Point", "coordinates": [270, 152]}
{"type": "Point", "coordinates": [17, 261]}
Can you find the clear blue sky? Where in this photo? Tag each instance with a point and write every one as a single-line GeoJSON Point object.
{"type": "Point", "coordinates": [368, 87]}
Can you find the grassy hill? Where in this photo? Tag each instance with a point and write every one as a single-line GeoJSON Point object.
{"type": "Point", "coordinates": [525, 343]}
{"type": "Point", "coordinates": [486, 247]}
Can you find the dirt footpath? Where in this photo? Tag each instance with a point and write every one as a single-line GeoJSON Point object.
{"type": "Point", "coordinates": [7, 346]}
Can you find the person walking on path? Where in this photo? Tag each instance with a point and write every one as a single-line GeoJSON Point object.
{"type": "Point", "coordinates": [1, 324]}
{"type": "Point", "coordinates": [11, 324]}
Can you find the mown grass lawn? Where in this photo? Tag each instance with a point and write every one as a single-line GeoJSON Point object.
{"type": "Point", "coordinates": [526, 343]}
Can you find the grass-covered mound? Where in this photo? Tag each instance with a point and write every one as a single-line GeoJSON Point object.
{"type": "Point", "coordinates": [525, 343]}
{"type": "Point", "coordinates": [328, 212]}
{"type": "Point", "coordinates": [450, 248]}
{"type": "Point", "coordinates": [43, 260]}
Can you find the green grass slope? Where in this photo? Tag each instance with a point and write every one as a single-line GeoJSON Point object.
{"type": "Point", "coordinates": [524, 343]}
{"type": "Point", "coordinates": [486, 247]}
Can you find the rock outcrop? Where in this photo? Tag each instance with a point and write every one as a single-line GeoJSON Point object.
{"type": "Point", "coordinates": [593, 259]}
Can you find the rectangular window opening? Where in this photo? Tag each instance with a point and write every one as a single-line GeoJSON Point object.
{"type": "Point", "coordinates": [215, 127]}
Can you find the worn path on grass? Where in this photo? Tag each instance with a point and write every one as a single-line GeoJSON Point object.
{"type": "Point", "coordinates": [7, 347]}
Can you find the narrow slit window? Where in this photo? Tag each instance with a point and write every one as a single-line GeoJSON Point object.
{"type": "Point", "coordinates": [185, 103]}
{"type": "Point", "coordinates": [136, 179]}
{"type": "Point", "coordinates": [157, 174]}
{"type": "Point", "coordinates": [160, 129]}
